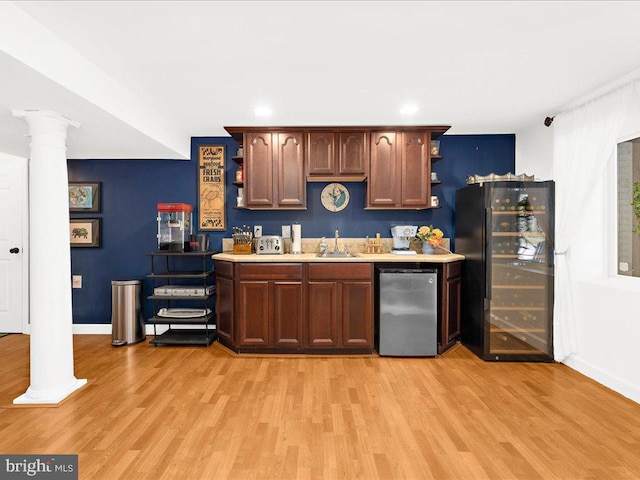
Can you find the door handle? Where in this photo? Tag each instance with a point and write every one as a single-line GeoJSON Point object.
{"type": "Point", "coordinates": [14, 250]}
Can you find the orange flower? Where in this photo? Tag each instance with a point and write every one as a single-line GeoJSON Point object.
{"type": "Point", "coordinates": [433, 236]}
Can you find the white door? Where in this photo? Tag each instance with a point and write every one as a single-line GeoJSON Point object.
{"type": "Point", "coordinates": [13, 244]}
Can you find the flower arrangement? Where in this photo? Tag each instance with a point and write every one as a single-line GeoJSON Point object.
{"type": "Point", "coordinates": [433, 236]}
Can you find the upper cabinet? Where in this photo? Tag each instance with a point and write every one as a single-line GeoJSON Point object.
{"type": "Point", "coordinates": [400, 169]}
{"type": "Point", "coordinates": [274, 170]}
{"type": "Point", "coordinates": [336, 155]}
{"type": "Point", "coordinates": [395, 162]}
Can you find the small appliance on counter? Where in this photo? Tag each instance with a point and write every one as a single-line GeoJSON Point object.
{"type": "Point", "coordinates": [296, 239]}
{"type": "Point", "coordinates": [174, 226]}
{"type": "Point", "coordinates": [269, 245]}
{"type": "Point", "coordinates": [242, 240]}
{"type": "Point", "coordinates": [402, 235]}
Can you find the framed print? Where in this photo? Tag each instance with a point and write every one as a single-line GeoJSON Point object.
{"type": "Point", "coordinates": [211, 194]}
{"type": "Point", "coordinates": [85, 232]}
{"type": "Point", "coordinates": [84, 197]}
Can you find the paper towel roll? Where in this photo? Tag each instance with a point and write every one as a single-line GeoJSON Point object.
{"type": "Point", "coordinates": [296, 238]}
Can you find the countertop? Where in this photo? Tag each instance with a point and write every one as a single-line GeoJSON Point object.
{"type": "Point", "coordinates": [360, 258]}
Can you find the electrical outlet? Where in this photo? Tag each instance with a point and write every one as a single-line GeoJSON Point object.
{"type": "Point", "coordinates": [257, 231]}
{"type": "Point", "coordinates": [286, 231]}
{"type": "Point", "coordinates": [76, 281]}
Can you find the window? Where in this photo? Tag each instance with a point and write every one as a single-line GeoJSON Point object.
{"type": "Point", "coordinates": [629, 194]}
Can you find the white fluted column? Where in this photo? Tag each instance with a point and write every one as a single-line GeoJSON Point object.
{"type": "Point", "coordinates": [52, 375]}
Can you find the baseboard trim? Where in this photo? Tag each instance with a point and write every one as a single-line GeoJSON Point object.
{"type": "Point", "coordinates": [621, 385]}
{"type": "Point", "coordinates": [105, 328]}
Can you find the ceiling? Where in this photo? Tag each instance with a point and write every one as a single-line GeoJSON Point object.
{"type": "Point", "coordinates": [189, 68]}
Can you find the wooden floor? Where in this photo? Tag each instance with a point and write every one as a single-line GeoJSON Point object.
{"type": "Point", "coordinates": [204, 413]}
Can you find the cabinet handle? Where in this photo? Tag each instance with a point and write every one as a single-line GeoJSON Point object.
{"type": "Point", "coordinates": [14, 250]}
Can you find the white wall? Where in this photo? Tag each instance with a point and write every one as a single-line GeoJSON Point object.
{"type": "Point", "coordinates": [607, 305]}
{"type": "Point", "coordinates": [534, 151]}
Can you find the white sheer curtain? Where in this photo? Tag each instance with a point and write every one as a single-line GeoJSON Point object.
{"type": "Point", "coordinates": [583, 140]}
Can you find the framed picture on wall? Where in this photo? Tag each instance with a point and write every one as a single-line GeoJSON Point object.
{"type": "Point", "coordinates": [85, 232]}
{"type": "Point", "coordinates": [84, 197]}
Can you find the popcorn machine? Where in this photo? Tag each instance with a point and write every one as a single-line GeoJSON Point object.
{"type": "Point", "coordinates": [174, 226]}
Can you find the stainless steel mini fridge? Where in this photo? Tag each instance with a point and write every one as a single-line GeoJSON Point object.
{"type": "Point", "coordinates": [407, 312]}
{"type": "Point", "coordinates": [505, 230]}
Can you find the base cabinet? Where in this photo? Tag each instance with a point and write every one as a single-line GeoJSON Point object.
{"type": "Point", "coordinates": [270, 314]}
{"type": "Point", "coordinates": [314, 307]}
{"type": "Point", "coordinates": [322, 311]}
{"type": "Point", "coordinates": [253, 313]}
{"type": "Point", "coordinates": [450, 288]}
{"type": "Point", "coordinates": [340, 305]}
{"type": "Point", "coordinates": [296, 308]}
{"type": "Point", "coordinates": [357, 323]}
{"type": "Point", "coordinates": [225, 311]}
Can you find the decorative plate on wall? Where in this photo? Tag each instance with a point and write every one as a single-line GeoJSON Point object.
{"type": "Point", "coordinates": [335, 197]}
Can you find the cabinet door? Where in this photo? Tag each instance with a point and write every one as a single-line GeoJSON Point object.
{"type": "Point", "coordinates": [258, 165]}
{"type": "Point", "coordinates": [224, 308]}
{"type": "Point", "coordinates": [357, 314]}
{"type": "Point", "coordinates": [287, 314]}
{"type": "Point", "coordinates": [450, 285]}
{"type": "Point", "coordinates": [322, 314]}
{"type": "Point", "coordinates": [383, 185]}
{"type": "Point", "coordinates": [353, 153]}
{"type": "Point", "coordinates": [415, 169]}
{"type": "Point", "coordinates": [320, 153]}
{"type": "Point", "coordinates": [253, 313]}
{"type": "Point", "coordinates": [291, 183]}
{"type": "Point", "coordinates": [453, 315]}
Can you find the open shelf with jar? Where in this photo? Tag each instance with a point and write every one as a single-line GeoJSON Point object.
{"type": "Point", "coordinates": [239, 177]}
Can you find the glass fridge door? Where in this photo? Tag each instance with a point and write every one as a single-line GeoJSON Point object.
{"type": "Point", "coordinates": [519, 271]}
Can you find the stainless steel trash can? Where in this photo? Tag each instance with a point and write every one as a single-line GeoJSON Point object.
{"type": "Point", "coordinates": [127, 322]}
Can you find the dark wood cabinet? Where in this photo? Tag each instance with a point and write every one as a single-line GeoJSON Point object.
{"type": "Point", "coordinates": [383, 184]}
{"type": "Point", "coordinates": [415, 170]}
{"type": "Point", "coordinates": [340, 305]}
{"type": "Point", "coordinates": [450, 288]}
{"type": "Point", "coordinates": [322, 314]}
{"type": "Point", "coordinates": [357, 314]}
{"type": "Point", "coordinates": [399, 170]}
{"type": "Point", "coordinates": [336, 155]}
{"type": "Point", "coordinates": [293, 307]}
{"type": "Point", "coordinates": [253, 313]}
{"type": "Point", "coordinates": [395, 162]}
{"type": "Point", "coordinates": [224, 312]}
{"type": "Point", "coordinates": [258, 170]}
{"type": "Point", "coordinates": [287, 314]}
{"type": "Point", "coordinates": [269, 305]}
{"type": "Point", "coordinates": [274, 170]}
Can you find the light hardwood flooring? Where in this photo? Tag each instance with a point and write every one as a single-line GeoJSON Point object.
{"type": "Point", "coordinates": [205, 413]}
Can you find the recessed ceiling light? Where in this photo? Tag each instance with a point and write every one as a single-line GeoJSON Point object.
{"type": "Point", "coordinates": [262, 111]}
{"type": "Point", "coordinates": [408, 109]}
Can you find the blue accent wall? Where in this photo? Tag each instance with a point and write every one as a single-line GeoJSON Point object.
{"type": "Point", "coordinates": [131, 190]}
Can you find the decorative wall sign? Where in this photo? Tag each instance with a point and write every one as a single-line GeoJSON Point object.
{"type": "Point", "coordinates": [335, 197]}
{"type": "Point", "coordinates": [85, 232]}
{"type": "Point", "coordinates": [211, 192]}
{"type": "Point", "coordinates": [84, 197]}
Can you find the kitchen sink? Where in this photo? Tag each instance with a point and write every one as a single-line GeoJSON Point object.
{"type": "Point", "coordinates": [338, 255]}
